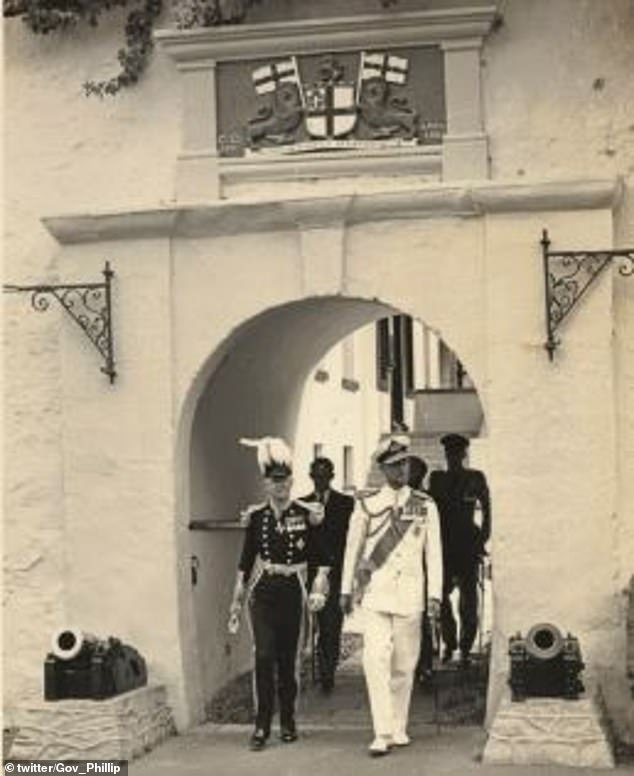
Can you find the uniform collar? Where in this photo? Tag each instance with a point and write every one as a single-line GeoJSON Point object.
{"type": "Point", "coordinates": [396, 498]}
{"type": "Point", "coordinates": [281, 513]}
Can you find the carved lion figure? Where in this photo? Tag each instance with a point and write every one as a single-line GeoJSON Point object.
{"type": "Point", "coordinates": [277, 122]}
{"type": "Point", "coordinates": [385, 116]}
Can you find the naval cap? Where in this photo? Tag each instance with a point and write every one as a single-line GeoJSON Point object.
{"type": "Point", "coordinates": [454, 442]}
{"type": "Point", "coordinates": [393, 449]}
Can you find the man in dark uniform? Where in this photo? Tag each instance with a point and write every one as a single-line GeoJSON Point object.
{"type": "Point", "coordinates": [334, 530]}
{"type": "Point", "coordinates": [428, 640]}
{"type": "Point", "coordinates": [280, 544]}
{"type": "Point", "coordinates": [456, 493]}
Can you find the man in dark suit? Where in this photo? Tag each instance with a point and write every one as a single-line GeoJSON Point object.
{"type": "Point", "coordinates": [334, 530]}
{"type": "Point", "coordinates": [456, 492]}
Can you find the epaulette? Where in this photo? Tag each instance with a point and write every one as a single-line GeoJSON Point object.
{"type": "Point", "coordinates": [245, 514]}
{"type": "Point", "coordinates": [420, 494]}
{"type": "Point", "coordinates": [361, 495]}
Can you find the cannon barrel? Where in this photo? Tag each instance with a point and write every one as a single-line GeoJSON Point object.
{"type": "Point", "coordinates": [67, 643]}
{"type": "Point", "coordinates": [545, 664]}
{"type": "Point", "coordinates": [544, 641]}
{"type": "Point", "coordinates": [81, 665]}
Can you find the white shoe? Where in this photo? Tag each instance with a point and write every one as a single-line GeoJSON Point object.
{"type": "Point", "coordinates": [401, 739]}
{"type": "Point", "coordinates": [379, 747]}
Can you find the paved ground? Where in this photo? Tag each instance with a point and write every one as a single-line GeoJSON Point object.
{"type": "Point", "coordinates": [213, 750]}
{"type": "Point", "coordinates": [334, 734]}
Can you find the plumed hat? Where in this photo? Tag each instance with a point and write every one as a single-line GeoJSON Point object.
{"type": "Point", "coordinates": [393, 449]}
{"type": "Point", "coordinates": [274, 456]}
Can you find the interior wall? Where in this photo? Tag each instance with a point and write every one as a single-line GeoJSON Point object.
{"type": "Point", "coordinates": [256, 391]}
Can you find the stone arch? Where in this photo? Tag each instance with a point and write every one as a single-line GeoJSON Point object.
{"type": "Point", "coordinates": [250, 385]}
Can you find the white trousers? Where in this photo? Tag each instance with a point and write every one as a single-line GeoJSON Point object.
{"type": "Point", "coordinates": [391, 643]}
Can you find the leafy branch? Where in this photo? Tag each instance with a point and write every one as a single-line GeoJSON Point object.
{"type": "Point", "coordinates": [135, 56]}
{"type": "Point", "coordinates": [45, 16]}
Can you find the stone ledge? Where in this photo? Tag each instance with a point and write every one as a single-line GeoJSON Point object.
{"type": "Point", "coordinates": [253, 41]}
{"type": "Point", "coordinates": [419, 160]}
{"type": "Point", "coordinates": [118, 728]}
{"type": "Point", "coordinates": [237, 217]}
{"type": "Point", "coordinates": [549, 732]}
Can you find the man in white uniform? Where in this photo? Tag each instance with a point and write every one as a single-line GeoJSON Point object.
{"type": "Point", "coordinates": [383, 570]}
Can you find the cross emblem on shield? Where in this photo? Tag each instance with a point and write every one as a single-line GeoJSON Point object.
{"type": "Point", "coordinates": [331, 110]}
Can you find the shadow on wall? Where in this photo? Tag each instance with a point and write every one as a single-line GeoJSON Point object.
{"type": "Point", "coordinates": [256, 389]}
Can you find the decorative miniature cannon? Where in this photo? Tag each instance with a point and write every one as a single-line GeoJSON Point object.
{"type": "Point", "coordinates": [83, 666]}
{"type": "Point", "coordinates": [545, 664]}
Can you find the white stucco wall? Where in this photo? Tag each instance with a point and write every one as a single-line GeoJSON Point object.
{"type": "Point", "coordinates": [61, 151]}
{"type": "Point", "coordinates": [335, 416]}
{"type": "Point", "coordinates": [567, 109]}
{"type": "Point", "coordinates": [82, 457]}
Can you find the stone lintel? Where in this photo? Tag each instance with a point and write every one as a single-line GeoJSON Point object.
{"type": "Point", "coordinates": [274, 39]}
{"type": "Point", "coordinates": [225, 217]}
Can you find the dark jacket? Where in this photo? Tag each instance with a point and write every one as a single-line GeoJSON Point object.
{"type": "Point", "coordinates": [456, 495]}
{"type": "Point", "coordinates": [292, 540]}
{"type": "Point", "coordinates": [334, 530]}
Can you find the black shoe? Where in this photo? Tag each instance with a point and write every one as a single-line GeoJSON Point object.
{"type": "Point", "coordinates": [465, 660]}
{"type": "Point", "coordinates": [288, 734]}
{"type": "Point", "coordinates": [257, 742]}
{"type": "Point", "coordinates": [447, 656]}
{"type": "Point", "coordinates": [425, 676]}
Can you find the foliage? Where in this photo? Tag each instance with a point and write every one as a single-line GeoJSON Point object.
{"type": "Point", "coordinates": [135, 56]}
{"type": "Point", "coordinates": [44, 16]}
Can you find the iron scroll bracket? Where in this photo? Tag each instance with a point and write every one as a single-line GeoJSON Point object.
{"type": "Point", "coordinates": [88, 304]}
{"type": "Point", "coordinates": [567, 277]}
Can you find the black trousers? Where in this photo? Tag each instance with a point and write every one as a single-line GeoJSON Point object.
{"type": "Point", "coordinates": [330, 620]}
{"type": "Point", "coordinates": [466, 580]}
{"type": "Point", "coordinates": [276, 614]}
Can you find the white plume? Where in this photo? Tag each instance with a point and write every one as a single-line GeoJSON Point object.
{"type": "Point", "coordinates": [269, 449]}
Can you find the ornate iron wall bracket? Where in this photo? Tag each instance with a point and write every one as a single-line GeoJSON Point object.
{"type": "Point", "coordinates": [567, 277]}
{"type": "Point", "coordinates": [88, 304]}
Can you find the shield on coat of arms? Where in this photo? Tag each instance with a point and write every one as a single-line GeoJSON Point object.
{"type": "Point", "coordinates": [330, 110]}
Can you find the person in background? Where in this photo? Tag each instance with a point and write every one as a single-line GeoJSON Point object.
{"type": "Point", "coordinates": [431, 611]}
{"type": "Point", "coordinates": [456, 492]}
{"type": "Point", "coordinates": [280, 543]}
{"type": "Point", "coordinates": [334, 530]}
{"type": "Point", "coordinates": [417, 473]}
{"type": "Point", "coordinates": [383, 569]}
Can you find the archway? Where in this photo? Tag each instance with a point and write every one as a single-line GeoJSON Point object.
{"type": "Point", "coordinates": [252, 385]}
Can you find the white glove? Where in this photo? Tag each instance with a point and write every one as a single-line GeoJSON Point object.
{"type": "Point", "coordinates": [316, 511]}
{"type": "Point", "coordinates": [233, 625]}
{"type": "Point", "coordinates": [316, 601]}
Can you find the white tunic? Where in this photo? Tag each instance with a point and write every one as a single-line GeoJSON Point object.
{"type": "Point", "coordinates": [397, 586]}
